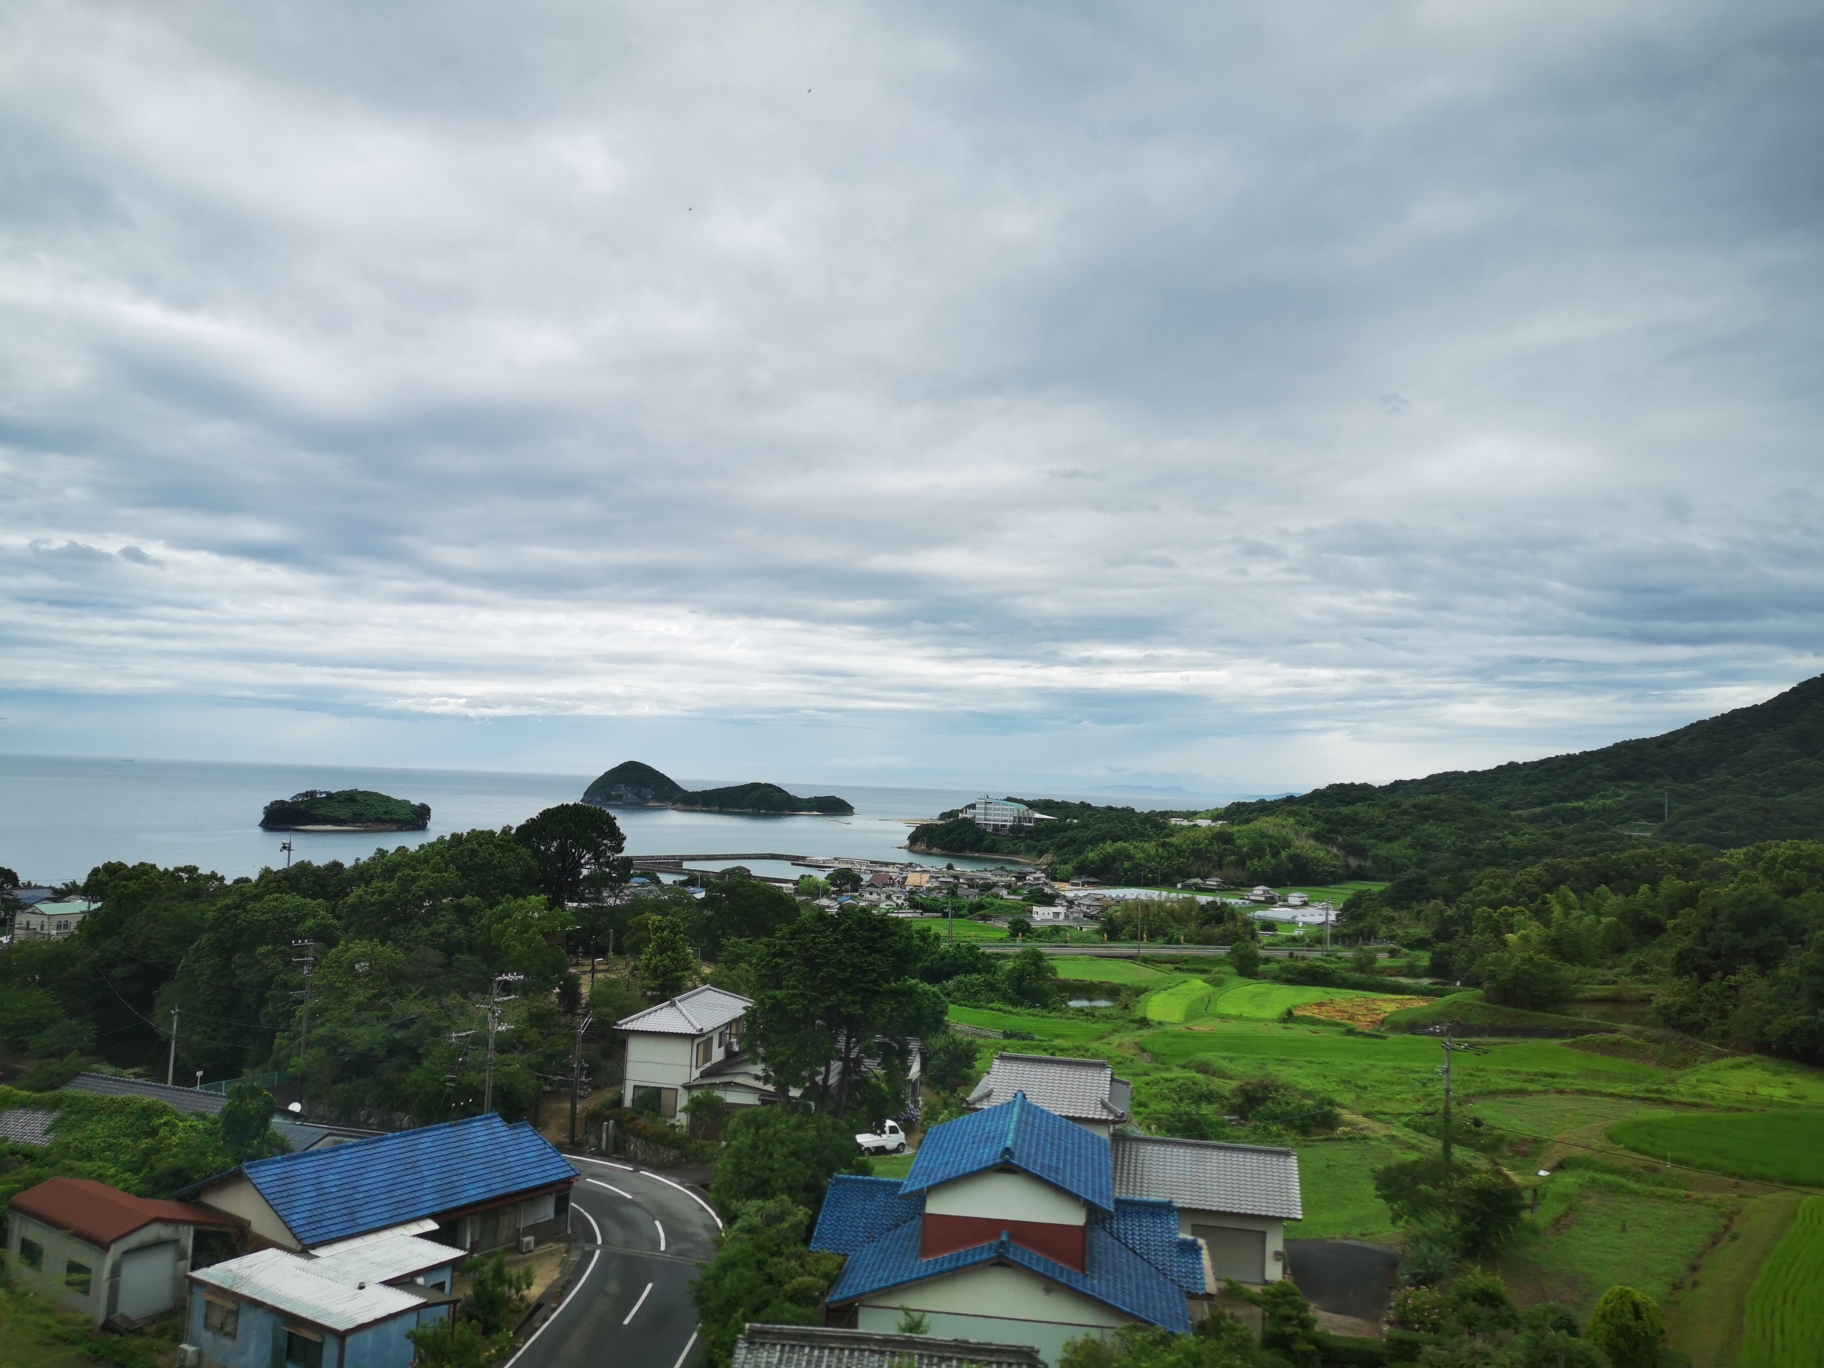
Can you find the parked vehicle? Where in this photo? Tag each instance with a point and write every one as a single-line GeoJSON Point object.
{"type": "Point", "coordinates": [889, 1140]}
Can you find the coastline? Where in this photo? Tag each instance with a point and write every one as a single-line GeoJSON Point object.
{"type": "Point", "coordinates": [356, 826]}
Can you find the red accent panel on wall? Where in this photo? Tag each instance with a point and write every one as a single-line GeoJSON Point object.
{"type": "Point", "coordinates": [947, 1234]}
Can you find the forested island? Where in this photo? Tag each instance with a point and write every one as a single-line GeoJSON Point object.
{"type": "Point", "coordinates": [632, 784]}
{"type": "Point", "coordinates": [344, 810]}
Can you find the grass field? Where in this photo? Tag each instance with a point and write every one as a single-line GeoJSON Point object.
{"type": "Point", "coordinates": [1551, 1114]}
{"type": "Point", "coordinates": [1270, 1001]}
{"type": "Point", "coordinates": [1045, 1027]}
{"type": "Point", "coordinates": [1336, 1178]}
{"type": "Point", "coordinates": [1186, 1001]}
{"type": "Point", "coordinates": [1779, 1146]}
{"type": "Point", "coordinates": [1705, 1317]}
{"type": "Point", "coordinates": [1087, 967]}
{"type": "Point", "coordinates": [35, 1334]}
{"type": "Point", "coordinates": [1592, 1231]}
{"type": "Point", "coordinates": [1784, 1327]}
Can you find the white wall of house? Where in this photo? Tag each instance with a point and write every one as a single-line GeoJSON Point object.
{"type": "Point", "coordinates": [147, 1266]}
{"type": "Point", "coordinates": [1006, 1197]}
{"type": "Point", "coordinates": [1225, 1249]}
{"type": "Point", "coordinates": [239, 1197]}
{"type": "Point", "coordinates": [997, 1303]}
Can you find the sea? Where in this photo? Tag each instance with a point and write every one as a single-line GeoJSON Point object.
{"type": "Point", "coordinates": [61, 816]}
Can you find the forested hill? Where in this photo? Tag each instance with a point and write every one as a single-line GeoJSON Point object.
{"type": "Point", "coordinates": [1754, 774]}
{"type": "Point", "coordinates": [632, 784]}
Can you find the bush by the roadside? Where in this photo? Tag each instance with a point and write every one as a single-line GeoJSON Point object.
{"type": "Point", "coordinates": [780, 1152]}
{"type": "Point", "coordinates": [762, 1272]}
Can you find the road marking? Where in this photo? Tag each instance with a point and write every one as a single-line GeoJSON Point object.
{"type": "Point", "coordinates": [610, 1186]}
{"type": "Point", "coordinates": [689, 1344]}
{"type": "Point", "coordinates": [575, 1287]}
{"type": "Point", "coordinates": [648, 1173]}
{"type": "Point", "coordinates": [637, 1305]}
{"type": "Point", "coordinates": [661, 1235]}
{"type": "Point", "coordinates": [609, 1162]}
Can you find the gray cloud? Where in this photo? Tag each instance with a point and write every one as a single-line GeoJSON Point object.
{"type": "Point", "coordinates": [577, 363]}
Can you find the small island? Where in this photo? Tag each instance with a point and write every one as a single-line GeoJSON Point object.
{"type": "Point", "coordinates": [632, 784]}
{"type": "Point", "coordinates": [344, 810]}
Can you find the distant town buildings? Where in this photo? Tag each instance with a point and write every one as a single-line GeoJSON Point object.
{"type": "Point", "coordinates": [1002, 815]}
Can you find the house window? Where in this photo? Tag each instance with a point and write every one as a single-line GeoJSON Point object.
{"type": "Point", "coordinates": [76, 1277]}
{"type": "Point", "coordinates": [222, 1318]}
{"type": "Point", "coordinates": [536, 1209]}
{"type": "Point", "coordinates": [31, 1253]}
{"type": "Point", "coordinates": [723, 1040]}
{"type": "Point", "coordinates": [303, 1349]}
{"type": "Point", "coordinates": [704, 1046]}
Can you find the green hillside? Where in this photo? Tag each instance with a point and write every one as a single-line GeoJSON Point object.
{"type": "Point", "coordinates": [360, 808]}
{"type": "Point", "coordinates": [632, 784]}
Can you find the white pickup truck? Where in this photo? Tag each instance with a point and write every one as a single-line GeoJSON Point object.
{"type": "Point", "coordinates": [890, 1140]}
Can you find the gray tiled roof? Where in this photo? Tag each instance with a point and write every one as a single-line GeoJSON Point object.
{"type": "Point", "coordinates": [1207, 1175]}
{"type": "Point", "coordinates": [1079, 1089]}
{"type": "Point", "coordinates": [194, 1100]}
{"type": "Point", "coordinates": [807, 1346]}
{"type": "Point", "coordinates": [22, 1127]}
{"type": "Point", "coordinates": [697, 1012]}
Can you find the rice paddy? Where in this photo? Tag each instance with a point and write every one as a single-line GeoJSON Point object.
{"type": "Point", "coordinates": [1784, 1328]}
{"type": "Point", "coordinates": [1777, 1146]}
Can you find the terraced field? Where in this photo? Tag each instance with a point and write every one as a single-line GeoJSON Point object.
{"type": "Point", "coordinates": [1785, 1323]}
{"type": "Point", "coordinates": [1775, 1146]}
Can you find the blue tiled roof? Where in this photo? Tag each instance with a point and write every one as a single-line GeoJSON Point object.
{"type": "Point", "coordinates": [1150, 1229]}
{"type": "Point", "coordinates": [346, 1190]}
{"type": "Point", "coordinates": [1117, 1276]}
{"type": "Point", "coordinates": [858, 1211]}
{"type": "Point", "coordinates": [1027, 1137]}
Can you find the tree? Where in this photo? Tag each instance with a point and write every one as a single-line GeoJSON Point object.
{"type": "Point", "coordinates": [763, 1273]}
{"type": "Point", "coordinates": [1245, 956]}
{"type": "Point", "coordinates": [448, 1342]}
{"type": "Point", "coordinates": [578, 848]}
{"type": "Point", "coordinates": [1625, 1325]}
{"type": "Point", "coordinates": [949, 1061]}
{"type": "Point", "coordinates": [844, 880]}
{"type": "Point", "coordinates": [497, 1295]}
{"type": "Point", "coordinates": [1030, 978]}
{"type": "Point", "coordinates": [1535, 982]}
{"type": "Point", "coordinates": [770, 1152]}
{"type": "Point", "coordinates": [741, 907]}
{"type": "Point", "coordinates": [1019, 927]}
{"type": "Point", "coordinates": [834, 999]}
{"type": "Point", "coordinates": [667, 966]}
{"type": "Point", "coordinates": [1476, 1213]}
{"type": "Point", "coordinates": [246, 1122]}
{"type": "Point", "coordinates": [1220, 1341]}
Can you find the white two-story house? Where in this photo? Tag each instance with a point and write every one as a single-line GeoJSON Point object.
{"type": "Point", "coordinates": [690, 1044]}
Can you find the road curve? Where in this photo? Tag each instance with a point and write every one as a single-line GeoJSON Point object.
{"type": "Point", "coordinates": [642, 1238]}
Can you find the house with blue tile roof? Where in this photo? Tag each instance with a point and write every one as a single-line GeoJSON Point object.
{"type": "Point", "coordinates": [477, 1184]}
{"type": "Point", "coordinates": [1009, 1229]}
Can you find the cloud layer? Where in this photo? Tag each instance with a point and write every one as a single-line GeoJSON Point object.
{"type": "Point", "coordinates": [1278, 395]}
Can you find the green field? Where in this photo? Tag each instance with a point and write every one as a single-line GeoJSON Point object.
{"type": "Point", "coordinates": [1086, 967]}
{"type": "Point", "coordinates": [1271, 1001]}
{"type": "Point", "coordinates": [1186, 1001]}
{"type": "Point", "coordinates": [1779, 1146]}
{"type": "Point", "coordinates": [1705, 1317]}
{"type": "Point", "coordinates": [1785, 1327]}
{"type": "Point", "coordinates": [1046, 1027]}
{"type": "Point", "coordinates": [1593, 1230]}
{"type": "Point", "coordinates": [1544, 1115]}
{"type": "Point", "coordinates": [1336, 1179]}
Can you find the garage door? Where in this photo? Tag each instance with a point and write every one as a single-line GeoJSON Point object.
{"type": "Point", "coordinates": [146, 1278]}
{"type": "Point", "coordinates": [1235, 1253]}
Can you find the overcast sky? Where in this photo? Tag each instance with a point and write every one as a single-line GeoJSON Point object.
{"type": "Point", "coordinates": [1238, 397]}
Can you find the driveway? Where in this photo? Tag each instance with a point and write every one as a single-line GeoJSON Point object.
{"type": "Point", "coordinates": [1345, 1277]}
{"type": "Point", "coordinates": [642, 1238]}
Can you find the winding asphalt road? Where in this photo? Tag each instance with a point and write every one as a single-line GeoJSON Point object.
{"type": "Point", "coordinates": [642, 1237]}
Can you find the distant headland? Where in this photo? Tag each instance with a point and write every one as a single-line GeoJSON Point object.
{"type": "Point", "coordinates": [344, 810]}
{"type": "Point", "coordinates": [632, 784]}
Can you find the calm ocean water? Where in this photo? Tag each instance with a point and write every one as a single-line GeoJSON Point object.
{"type": "Point", "coordinates": [61, 816]}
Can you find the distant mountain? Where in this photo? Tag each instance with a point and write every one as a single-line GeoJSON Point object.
{"type": "Point", "coordinates": [344, 810]}
{"type": "Point", "coordinates": [632, 784]}
{"type": "Point", "coordinates": [1754, 774]}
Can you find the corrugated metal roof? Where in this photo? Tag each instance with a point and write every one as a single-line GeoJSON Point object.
{"type": "Point", "coordinates": [403, 1256]}
{"type": "Point", "coordinates": [29, 1128]}
{"type": "Point", "coordinates": [697, 1012]}
{"type": "Point", "coordinates": [325, 1195]}
{"type": "Point", "coordinates": [1081, 1089]}
{"type": "Point", "coordinates": [290, 1284]}
{"type": "Point", "coordinates": [1208, 1175]}
{"type": "Point", "coordinates": [818, 1346]}
{"type": "Point", "coordinates": [1025, 1136]}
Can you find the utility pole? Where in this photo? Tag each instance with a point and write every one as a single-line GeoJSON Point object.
{"type": "Point", "coordinates": [1450, 1047]}
{"type": "Point", "coordinates": [286, 847]}
{"type": "Point", "coordinates": [576, 1070]}
{"type": "Point", "coordinates": [495, 1025]}
{"type": "Point", "coordinates": [171, 1059]}
{"type": "Point", "coordinates": [309, 960]}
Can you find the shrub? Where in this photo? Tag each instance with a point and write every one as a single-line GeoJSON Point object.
{"type": "Point", "coordinates": [497, 1295]}
{"type": "Point", "coordinates": [1420, 1308]}
{"type": "Point", "coordinates": [762, 1272]}
{"type": "Point", "coordinates": [1480, 1305]}
{"type": "Point", "coordinates": [779, 1152]}
{"type": "Point", "coordinates": [1625, 1325]}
